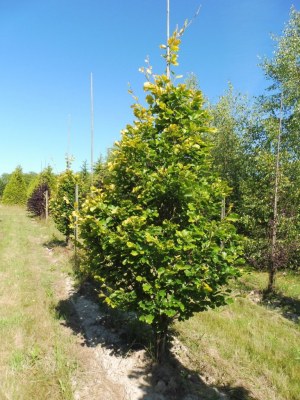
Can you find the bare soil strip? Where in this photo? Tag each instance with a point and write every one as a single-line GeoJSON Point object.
{"type": "Point", "coordinates": [119, 371]}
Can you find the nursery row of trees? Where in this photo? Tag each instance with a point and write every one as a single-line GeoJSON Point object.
{"type": "Point", "coordinates": [30, 189]}
{"type": "Point", "coordinates": [257, 152]}
{"type": "Point", "coordinates": [190, 193]}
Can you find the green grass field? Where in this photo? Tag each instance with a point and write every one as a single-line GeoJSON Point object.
{"type": "Point", "coordinates": [250, 344]}
{"type": "Point", "coordinates": [36, 359]}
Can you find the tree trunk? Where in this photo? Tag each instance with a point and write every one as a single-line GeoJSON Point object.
{"type": "Point", "coordinates": [161, 347]}
{"type": "Point", "coordinates": [161, 344]}
{"type": "Point", "coordinates": [273, 261]}
{"type": "Point", "coordinates": [272, 275]}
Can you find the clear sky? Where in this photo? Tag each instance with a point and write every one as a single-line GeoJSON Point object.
{"type": "Point", "coordinates": [49, 48]}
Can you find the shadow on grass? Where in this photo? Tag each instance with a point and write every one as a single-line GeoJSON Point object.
{"type": "Point", "coordinates": [289, 307]}
{"type": "Point", "coordinates": [55, 242]}
{"type": "Point", "coordinates": [124, 336]}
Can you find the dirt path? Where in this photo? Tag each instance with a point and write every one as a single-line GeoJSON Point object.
{"type": "Point", "coordinates": [109, 375]}
{"type": "Point", "coordinates": [113, 370]}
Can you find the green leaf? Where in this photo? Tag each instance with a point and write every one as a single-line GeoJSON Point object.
{"type": "Point", "coordinates": [147, 287]}
{"type": "Point", "coordinates": [170, 313]}
{"type": "Point", "coordinates": [148, 318]}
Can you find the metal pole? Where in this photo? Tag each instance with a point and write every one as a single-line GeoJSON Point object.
{"type": "Point", "coordinates": [69, 135]}
{"type": "Point", "coordinates": [168, 37]}
{"type": "Point", "coordinates": [76, 210]}
{"type": "Point", "coordinates": [92, 130]}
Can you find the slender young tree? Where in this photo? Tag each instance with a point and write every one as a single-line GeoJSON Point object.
{"type": "Point", "coordinates": [62, 203]}
{"type": "Point", "coordinates": [282, 102]}
{"type": "Point", "coordinates": [273, 260]}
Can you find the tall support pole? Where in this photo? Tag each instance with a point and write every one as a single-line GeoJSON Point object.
{"type": "Point", "coordinates": [69, 135]}
{"type": "Point", "coordinates": [92, 130]}
{"type": "Point", "coordinates": [68, 154]}
{"type": "Point", "coordinates": [168, 37]}
{"type": "Point", "coordinates": [76, 208]}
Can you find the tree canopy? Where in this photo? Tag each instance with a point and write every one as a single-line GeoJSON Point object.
{"type": "Point", "coordinates": [153, 233]}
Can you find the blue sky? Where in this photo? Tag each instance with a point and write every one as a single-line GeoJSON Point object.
{"type": "Point", "coordinates": [49, 48]}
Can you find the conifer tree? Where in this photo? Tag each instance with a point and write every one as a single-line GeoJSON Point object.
{"type": "Point", "coordinates": [4, 178]}
{"type": "Point", "coordinates": [15, 190]}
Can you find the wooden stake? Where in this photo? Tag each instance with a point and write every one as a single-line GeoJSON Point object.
{"type": "Point", "coordinates": [223, 208]}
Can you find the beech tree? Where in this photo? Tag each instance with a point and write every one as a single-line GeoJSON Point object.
{"type": "Point", "coordinates": [153, 235]}
{"type": "Point", "coordinates": [36, 203]}
{"type": "Point", "coordinates": [62, 203]}
{"type": "Point", "coordinates": [46, 177]}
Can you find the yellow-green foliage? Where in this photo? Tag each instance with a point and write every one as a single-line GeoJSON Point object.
{"type": "Point", "coordinates": [62, 203]}
{"type": "Point", "coordinates": [153, 235]}
{"type": "Point", "coordinates": [45, 177]}
{"type": "Point", "coordinates": [15, 191]}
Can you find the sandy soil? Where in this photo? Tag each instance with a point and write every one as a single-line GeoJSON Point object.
{"type": "Point", "coordinates": [112, 370]}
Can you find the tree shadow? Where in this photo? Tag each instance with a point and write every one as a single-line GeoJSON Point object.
{"type": "Point", "coordinates": [30, 215]}
{"type": "Point", "coordinates": [55, 242]}
{"type": "Point", "coordinates": [124, 336]}
{"type": "Point", "coordinates": [289, 307]}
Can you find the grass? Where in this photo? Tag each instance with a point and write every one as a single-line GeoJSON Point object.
{"type": "Point", "coordinates": [37, 359]}
{"type": "Point", "coordinates": [287, 282]}
{"type": "Point", "coordinates": [248, 344]}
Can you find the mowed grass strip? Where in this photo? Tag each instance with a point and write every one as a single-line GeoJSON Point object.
{"type": "Point", "coordinates": [36, 359]}
{"type": "Point", "coordinates": [287, 282]}
{"type": "Point", "coordinates": [248, 345]}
